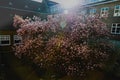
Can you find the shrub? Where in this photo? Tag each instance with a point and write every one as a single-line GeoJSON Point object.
{"type": "Point", "coordinates": [68, 44]}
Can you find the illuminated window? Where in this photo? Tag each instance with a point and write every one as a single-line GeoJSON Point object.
{"type": "Point", "coordinates": [115, 29]}
{"type": "Point", "coordinates": [104, 12]}
{"type": "Point", "coordinates": [117, 10]}
{"type": "Point", "coordinates": [4, 40]}
{"type": "Point", "coordinates": [17, 39]}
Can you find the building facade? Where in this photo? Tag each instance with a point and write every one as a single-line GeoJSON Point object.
{"type": "Point", "coordinates": [105, 8]}
{"type": "Point", "coordinates": [8, 9]}
{"type": "Point", "coordinates": [110, 9]}
{"type": "Point", "coordinates": [8, 35]}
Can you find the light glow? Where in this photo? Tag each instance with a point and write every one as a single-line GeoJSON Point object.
{"type": "Point", "coordinates": [70, 4]}
{"type": "Point", "coordinates": [65, 11]}
{"type": "Point", "coordinates": [67, 3]}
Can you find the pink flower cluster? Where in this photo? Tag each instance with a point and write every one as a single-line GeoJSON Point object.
{"type": "Point", "coordinates": [74, 44]}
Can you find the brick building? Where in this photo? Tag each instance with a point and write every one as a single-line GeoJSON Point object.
{"type": "Point", "coordinates": [8, 8]}
{"type": "Point", "coordinates": [105, 8]}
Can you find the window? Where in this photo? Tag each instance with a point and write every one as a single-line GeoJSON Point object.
{"type": "Point", "coordinates": [55, 9]}
{"type": "Point", "coordinates": [117, 10]}
{"type": "Point", "coordinates": [52, 9]}
{"type": "Point", "coordinates": [115, 29]}
{"type": "Point", "coordinates": [4, 40]}
{"type": "Point", "coordinates": [92, 12]}
{"type": "Point", "coordinates": [104, 12]}
{"type": "Point", "coordinates": [17, 39]}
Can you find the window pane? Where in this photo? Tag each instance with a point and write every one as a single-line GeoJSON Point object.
{"type": "Point", "coordinates": [118, 30]}
{"type": "Point", "coordinates": [107, 9]}
{"type": "Point", "coordinates": [17, 41]}
{"type": "Point", "coordinates": [118, 25]}
{"type": "Point", "coordinates": [116, 11]}
{"type": "Point", "coordinates": [4, 42]}
{"type": "Point", "coordinates": [113, 30]}
{"type": "Point", "coordinates": [113, 24]}
{"type": "Point", "coordinates": [4, 39]}
{"type": "Point", "coordinates": [117, 7]}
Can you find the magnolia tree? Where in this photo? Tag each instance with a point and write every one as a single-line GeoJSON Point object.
{"type": "Point", "coordinates": [69, 44]}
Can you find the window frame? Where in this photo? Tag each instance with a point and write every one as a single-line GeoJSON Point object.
{"type": "Point", "coordinates": [115, 9]}
{"type": "Point", "coordinates": [104, 12]}
{"type": "Point", "coordinates": [116, 27]}
{"type": "Point", "coordinates": [5, 38]}
{"type": "Point", "coordinates": [17, 37]}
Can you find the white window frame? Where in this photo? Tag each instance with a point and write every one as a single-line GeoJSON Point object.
{"type": "Point", "coordinates": [115, 28]}
{"type": "Point", "coordinates": [5, 38]}
{"type": "Point", "coordinates": [104, 11]}
{"type": "Point", "coordinates": [115, 9]}
{"type": "Point", "coordinates": [17, 37]}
